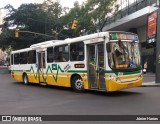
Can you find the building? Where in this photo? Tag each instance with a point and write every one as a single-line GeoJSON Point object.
{"type": "Point", "coordinates": [2, 57]}
{"type": "Point", "coordinates": [2, 54]}
{"type": "Point", "coordinates": [1, 21]}
{"type": "Point", "coordinates": [133, 18]}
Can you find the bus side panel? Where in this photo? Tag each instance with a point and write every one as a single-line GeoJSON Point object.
{"type": "Point", "coordinates": [17, 75]}
{"type": "Point", "coordinates": [32, 77]}
{"type": "Point", "coordinates": [16, 72]}
{"type": "Point", "coordinates": [32, 73]}
{"type": "Point", "coordinates": [86, 83]}
{"type": "Point", "coordinates": [64, 79]}
{"type": "Point", "coordinates": [58, 79]}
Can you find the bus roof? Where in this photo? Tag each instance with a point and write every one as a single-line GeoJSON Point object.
{"type": "Point", "coordinates": [68, 40]}
{"type": "Point", "coordinates": [77, 39]}
{"type": "Point", "coordinates": [21, 50]}
{"type": "Point", "coordinates": [44, 43]}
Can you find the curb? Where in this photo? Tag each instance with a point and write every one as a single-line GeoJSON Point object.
{"type": "Point", "coordinates": [151, 85]}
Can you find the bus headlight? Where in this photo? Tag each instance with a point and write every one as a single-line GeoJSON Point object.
{"type": "Point", "coordinates": [113, 77]}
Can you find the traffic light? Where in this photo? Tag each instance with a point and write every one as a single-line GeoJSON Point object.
{"type": "Point", "coordinates": [74, 24]}
{"type": "Point", "coordinates": [16, 34]}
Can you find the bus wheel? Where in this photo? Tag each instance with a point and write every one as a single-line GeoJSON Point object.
{"type": "Point", "coordinates": [77, 84]}
{"type": "Point", "coordinates": [25, 79]}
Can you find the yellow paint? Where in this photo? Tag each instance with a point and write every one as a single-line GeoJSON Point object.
{"type": "Point", "coordinates": [114, 86]}
{"type": "Point", "coordinates": [129, 76]}
{"type": "Point", "coordinates": [64, 80]}
{"type": "Point", "coordinates": [85, 83]}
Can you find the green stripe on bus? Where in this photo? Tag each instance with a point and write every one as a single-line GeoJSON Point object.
{"type": "Point", "coordinates": [134, 72]}
{"type": "Point", "coordinates": [77, 71]}
{"type": "Point", "coordinates": [124, 73]}
{"type": "Point", "coordinates": [40, 70]}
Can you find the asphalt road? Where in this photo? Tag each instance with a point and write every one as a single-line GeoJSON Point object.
{"type": "Point", "coordinates": [19, 99]}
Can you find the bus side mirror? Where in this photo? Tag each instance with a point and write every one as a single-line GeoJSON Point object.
{"type": "Point", "coordinates": [108, 47]}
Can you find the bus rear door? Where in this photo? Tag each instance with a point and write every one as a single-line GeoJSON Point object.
{"type": "Point", "coordinates": [41, 67]}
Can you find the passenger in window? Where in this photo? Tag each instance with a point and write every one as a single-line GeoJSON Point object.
{"type": "Point", "coordinates": [63, 58]}
{"type": "Point", "coordinates": [73, 54]}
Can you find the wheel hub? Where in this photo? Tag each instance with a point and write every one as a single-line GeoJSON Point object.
{"type": "Point", "coordinates": [79, 84]}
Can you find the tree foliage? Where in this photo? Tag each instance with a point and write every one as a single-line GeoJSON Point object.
{"type": "Point", "coordinates": [30, 17]}
{"type": "Point", "coordinates": [51, 19]}
{"type": "Point", "coordinates": [100, 10]}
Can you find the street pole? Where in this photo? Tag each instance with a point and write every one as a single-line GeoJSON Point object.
{"type": "Point", "coordinates": [158, 48]}
{"type": "Point", "coordinates": [45, 28]}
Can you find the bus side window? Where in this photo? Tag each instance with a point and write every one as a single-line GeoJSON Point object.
{"type": "Point", "coordinates": [50, 54]}
{"type": "Point", "coordinates": [61, 53]}
{"type": "Point", "coordinates": [77, 51]}
{"type": "Point", "coordinates": [73, 54]}
{"type": "Point", "coordinates": [32, 57]}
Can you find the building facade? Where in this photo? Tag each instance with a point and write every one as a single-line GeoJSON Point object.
{"type": "Point", "coordinates": [2, 57]}
{"type": "Point", "coordinates": [1, 21]}
{"type": "Point", "coordinates": [133, 18]}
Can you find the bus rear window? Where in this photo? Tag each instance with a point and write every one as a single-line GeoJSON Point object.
{"type": "Point", "coordinates": [16, 58]}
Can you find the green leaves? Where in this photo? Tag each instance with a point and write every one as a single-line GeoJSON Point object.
{"type": "Point", "coordinates": [51, 19]}
{"type": "Point", "coordinates": [100, 10]}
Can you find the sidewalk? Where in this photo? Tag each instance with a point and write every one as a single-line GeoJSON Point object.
{"type": "Point", "coordinates": [4, 70]}
{"type": "Point", "coordinates": [149, 80]}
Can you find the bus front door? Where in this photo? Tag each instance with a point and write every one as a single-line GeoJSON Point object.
{"type": "Point", "coordinates": [96, 71]}
{"type": "Point", "coordinates": [41, 67]}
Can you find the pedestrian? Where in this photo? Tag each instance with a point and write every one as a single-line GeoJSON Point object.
{"type": "Point", "coordinates": [145, 67]}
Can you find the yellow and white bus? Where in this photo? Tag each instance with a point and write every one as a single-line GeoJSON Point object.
{"type": "Point", "coordinates": [106, 61]}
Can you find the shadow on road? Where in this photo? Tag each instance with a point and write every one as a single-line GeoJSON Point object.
{"type": "Point", "coordinates": [100, 93]}
{"type": "Point", "coordinates": [43, 86]}
{"type": "Point", "coordinates": [115, 94]}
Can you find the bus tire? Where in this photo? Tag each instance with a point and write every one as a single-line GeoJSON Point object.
{"type": "Point", "coordinates": [25, 79]}
{"type": "Point", "coordinates": [77, 84]}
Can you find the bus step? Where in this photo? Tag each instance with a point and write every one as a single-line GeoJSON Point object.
{"type": "Point", "coordinates": [43, 83]}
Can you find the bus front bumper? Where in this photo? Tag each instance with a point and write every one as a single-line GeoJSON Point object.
{"type": "Point", "coordinates": [116, 86]}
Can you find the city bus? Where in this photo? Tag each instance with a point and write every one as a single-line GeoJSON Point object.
{"type": "Point", "coordinates": [105, 61]}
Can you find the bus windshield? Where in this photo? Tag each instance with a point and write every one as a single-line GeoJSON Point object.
{"type": "Point", "coordinates": [124, 55]}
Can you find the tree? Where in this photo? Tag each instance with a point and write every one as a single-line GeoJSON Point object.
{"type": "Point", "coordinates": [51, 19]}
{"type": "Point", "coordinates": [84, 20]}
{"type": "Point", "coordinates": [100, 11]}
{"type": "Point", "coordinates": [53, 8]}
{"type": "Point", "coordinates": [33, 18]}
{"type": "Point", "coordinates": [92, 16]}
{"type": "Point", "coordinates": [6, 39]}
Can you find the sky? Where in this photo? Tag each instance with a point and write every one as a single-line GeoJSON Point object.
{"type": "Point", "coordinates": [17, 3]}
